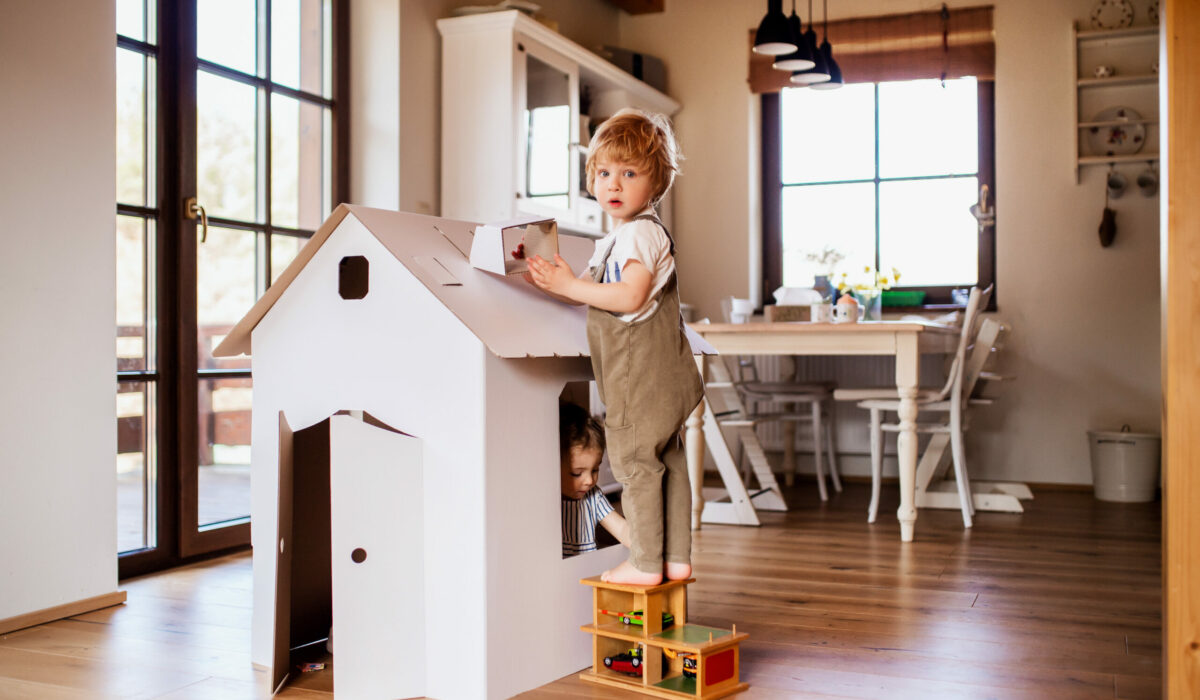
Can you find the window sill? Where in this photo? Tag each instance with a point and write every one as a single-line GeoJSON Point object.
{"type": "Point", "coordinates": [923, 308]}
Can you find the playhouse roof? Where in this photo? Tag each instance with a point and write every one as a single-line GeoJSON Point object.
{"type": "Point", "coordinates": [506, 313]}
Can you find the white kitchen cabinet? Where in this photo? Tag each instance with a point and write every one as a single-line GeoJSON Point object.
{"type": "Point", "coordinates": [513, 142]}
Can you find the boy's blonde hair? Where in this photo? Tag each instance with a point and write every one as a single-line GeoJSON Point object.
{"type": "Point", "coordinates": [643, 139]}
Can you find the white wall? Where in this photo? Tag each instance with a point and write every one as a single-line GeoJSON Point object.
{"type": "Point", "coordinates": [375, 103]}
{"type": "Point", "coordinates": [57, 277]}
{"type": "Point", "coordinates": [1084, 342]}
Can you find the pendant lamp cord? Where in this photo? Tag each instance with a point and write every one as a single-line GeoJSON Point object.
{"type": "Point", "coordinates": [825, 23]}
{"type": "Point", "coordinates": [945, 42]}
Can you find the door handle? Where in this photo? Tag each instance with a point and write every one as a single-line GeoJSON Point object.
{"type": "Point", "coordinates": [191, 208]}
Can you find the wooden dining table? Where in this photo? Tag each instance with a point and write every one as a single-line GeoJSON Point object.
{"type": "Point", "coordinates": [906, 341]}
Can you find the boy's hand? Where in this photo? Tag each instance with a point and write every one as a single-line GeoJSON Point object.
{"type": "Point", "coordinates": [553, 277]}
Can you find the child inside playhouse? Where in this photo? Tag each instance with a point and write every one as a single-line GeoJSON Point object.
{"type": "Point", "coordinates": [581, 443]}
{"type": "Point", "coordinates": [643, 364]}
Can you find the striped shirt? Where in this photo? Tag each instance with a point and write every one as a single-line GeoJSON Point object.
{"type": "Point", "coordinates": [579, 520]}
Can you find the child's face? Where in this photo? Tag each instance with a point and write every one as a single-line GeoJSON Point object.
{"type": "Point", "coordinates": [580, 471]}
{"type": "Point", "coordinates": [623, 189]}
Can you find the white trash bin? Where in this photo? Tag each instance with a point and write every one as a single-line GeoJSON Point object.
{"type": "Point", "coordinates": [1125, 464]}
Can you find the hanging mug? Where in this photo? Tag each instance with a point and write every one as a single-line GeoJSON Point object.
{"type": "Point", "coordinates": [1147, 182]}
{"type": "Point", "coordinates": [1116, 184]}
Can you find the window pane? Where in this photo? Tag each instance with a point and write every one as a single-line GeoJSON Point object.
{"type": "Point", "coordinates": [297, 163]}
{"type": "Point", "coordinates": [549, 157]}
{"type": "Point", "coordinates": [283, 251]}
{"type": "Point", "coordinates": [927, 231]}
{"type": "Point", "coordinates": [925, 129]}
{"type": "Point", "coordinates": [815, 217]}
{"type": "Point", "coordinates": [299, 44]}
{"type": "Point", "coordinates": [226, 33]}
{"type": "Point", "coordinates": [131, 127]}
{"type": "Point", "coordinates": [224, 465]}
{"type": "Point", "coordinates": [828, 135]}
{"type": "Point", "coordinates": [136, 472]}
{"type": "Point", "coordinates": [226, 133]}
{"type": "Point", "coordinates": [226, 267]}
{"type": "Point", "coordinates": [133, 343]}
{"type": "Point", "coordinates": [227, 272]}
{"type": "Point", "coordinates": [131, 19]}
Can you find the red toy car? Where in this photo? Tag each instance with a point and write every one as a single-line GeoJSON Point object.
{"type": "Point", "coordinates": [629, 662]}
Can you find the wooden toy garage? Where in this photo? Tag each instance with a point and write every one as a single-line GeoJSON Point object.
{"type": "Point", "coordinates": [642, 641]}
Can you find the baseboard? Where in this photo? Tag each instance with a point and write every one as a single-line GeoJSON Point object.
{"type": "Point", "coordinates": [58, 612]}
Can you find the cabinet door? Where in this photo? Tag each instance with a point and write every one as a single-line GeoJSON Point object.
{"type": "Point", "coordinates": [548, 117]}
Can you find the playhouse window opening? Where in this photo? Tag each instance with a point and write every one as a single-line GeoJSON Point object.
{"type": "Point", "coordinates": [353, 274]}
{"type": "Point", "coordinates": [585, 485]}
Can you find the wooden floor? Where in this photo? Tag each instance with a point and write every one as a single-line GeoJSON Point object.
{"type": "Point", "coordinates": [1061, 602]}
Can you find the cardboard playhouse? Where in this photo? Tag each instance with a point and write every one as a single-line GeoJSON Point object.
{"type": "Point", "coordinates": [405, 461]}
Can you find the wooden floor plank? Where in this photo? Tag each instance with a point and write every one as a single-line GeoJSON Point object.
{"type": "Point", "coordinates": [1060, 602]}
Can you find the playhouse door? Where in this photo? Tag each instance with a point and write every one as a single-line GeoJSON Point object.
{"type": "Point", "coordinates": [378, 556]}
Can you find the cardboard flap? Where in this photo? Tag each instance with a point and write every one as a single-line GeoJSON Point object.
{"type": "Point", "coordinates": [436, 270]}
{"type": "Point", "coordinates": [493, 246]}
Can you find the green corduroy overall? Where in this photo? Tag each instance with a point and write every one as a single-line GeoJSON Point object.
{"type": "Point", "coordinates": [648, 381]}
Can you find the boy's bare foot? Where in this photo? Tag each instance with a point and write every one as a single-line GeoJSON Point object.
{"type": "Point", "coordinates": [677, 572]}
{"type": "Point", "coordinates": [626, 573]}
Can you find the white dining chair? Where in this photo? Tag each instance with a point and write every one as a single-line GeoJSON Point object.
{"type": "Point", "coordinates": [879, 400]}
{"type": "Point", "coordinates": [789, 403]}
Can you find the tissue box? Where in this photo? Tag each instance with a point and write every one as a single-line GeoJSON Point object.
{"type": "Point", "coordinates": [782, 314]}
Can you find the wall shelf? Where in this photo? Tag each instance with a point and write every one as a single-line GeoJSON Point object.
{"type": "Point", "coordinates": [1131, 158]}
{"type": "Point", "coordinates": [1119, 80]}
{"type": "Point", "coordinates": [1132, 54]}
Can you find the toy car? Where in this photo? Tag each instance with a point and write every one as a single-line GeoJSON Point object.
{"type": "Point", "coordinates": [629, 662]}
{"type": "Point", "coordinates": [689, 661]}
{"type": "Point", "coordinates": [634, 617]}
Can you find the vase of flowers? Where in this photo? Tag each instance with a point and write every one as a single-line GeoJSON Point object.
{"type": "Point", "coordinates": [867, 289]}
{"type": "Point", "coordinates": [826, 260]}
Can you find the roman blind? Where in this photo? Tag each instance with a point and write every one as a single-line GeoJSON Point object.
{"type": "Point", "coordinates": [946, 43]}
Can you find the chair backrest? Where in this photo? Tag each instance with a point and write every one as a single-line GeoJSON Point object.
{"type": "Point", "coordinates": [976, 302]}
{"type": "Point", "coordinates": [981, 350]}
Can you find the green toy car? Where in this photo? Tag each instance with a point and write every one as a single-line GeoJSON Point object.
{"type": "Point", "coordinates": [634, 617]}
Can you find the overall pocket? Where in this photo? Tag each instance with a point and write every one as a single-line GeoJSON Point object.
{"type": "Point", "coordinates": [622, 451]}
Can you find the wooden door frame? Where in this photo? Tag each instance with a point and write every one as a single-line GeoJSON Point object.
{"type": "Point", "coordinates": [1180, 118]}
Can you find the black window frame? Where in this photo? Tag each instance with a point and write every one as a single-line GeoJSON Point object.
{"type": "Point", "coordinates": [936, 297]}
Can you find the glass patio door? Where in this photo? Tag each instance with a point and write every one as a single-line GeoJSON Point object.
{"type": "Point", "coordinates": [246, 144]}
{"type": "Point", "coordinates": [263, 178]}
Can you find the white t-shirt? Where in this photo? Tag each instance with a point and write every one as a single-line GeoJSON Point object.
{"type": "Point", "coordinates": [646, 242]}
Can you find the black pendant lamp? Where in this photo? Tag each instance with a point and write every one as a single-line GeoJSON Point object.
{"type": "Point", "coordinates": [801, 58]}
{"type": "Point", "coordinates": [835, 71]}
{"type": "Point", "coordinates": [774, 37]}
{"type": "Point", "coordinates": [818, 73]}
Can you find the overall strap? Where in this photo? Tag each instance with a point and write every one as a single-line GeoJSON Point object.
{"type": "Point", "coordinates": [655, 219]}
{"type": "Point", "coordinates": [599, 269]}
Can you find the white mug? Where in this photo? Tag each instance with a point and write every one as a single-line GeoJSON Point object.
{"type": "Point", "coordinates": [820, 313]}
{"type": "Point", "coordinates": [845, 313]}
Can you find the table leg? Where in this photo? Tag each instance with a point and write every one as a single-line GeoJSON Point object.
{"type": "Point", "coordinates": [907, 381]}
{"type": "Point", "coordinates": [694, 444]}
